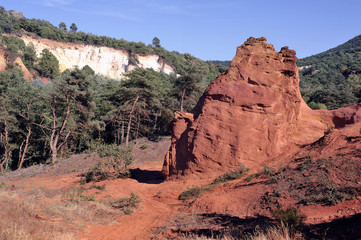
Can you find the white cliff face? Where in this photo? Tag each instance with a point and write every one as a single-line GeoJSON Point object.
{"type": "Point", "coordinates": [106, 61]}
{"type": "Point", "coordinates": [154, 62]}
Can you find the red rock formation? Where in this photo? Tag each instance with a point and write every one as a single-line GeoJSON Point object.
{"type": "Point", "coordinates": [253, 114]}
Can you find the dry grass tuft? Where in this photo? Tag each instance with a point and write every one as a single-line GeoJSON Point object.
{"type": "Point", "coordinates": [195, 237]}
{"type": "Point", "coordinates": [273, 233]}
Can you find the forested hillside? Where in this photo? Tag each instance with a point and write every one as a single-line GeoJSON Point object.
{"type": "Point", "coordinates": [224, 64]}
{"type": "Point", "coordinates": [78, 110]}
{"type": "Point", "coordinates": [60, 113]}
{"type": "Point", "coordinates": [332, 78]}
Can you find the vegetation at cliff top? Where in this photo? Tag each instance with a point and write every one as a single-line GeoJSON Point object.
{"type": "Point", "coordinates": [11, 23]}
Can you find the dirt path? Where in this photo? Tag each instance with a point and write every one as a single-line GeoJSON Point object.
{"type": "Point", "coordinates": [158, 203]}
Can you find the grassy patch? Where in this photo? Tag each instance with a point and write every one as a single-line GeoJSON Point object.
{"type": "Point", "coordinates": [75, 194]}
{"type": "Point", "coordinates": [328, 194]}
{"type": "Point", "coordinates": [252, 176]}
{"type": "Point", "coordinates": [126, 205]}
{"type": "Point", "coordinates": [271, 173]}
{"type": "Point", "coordinates": [231, 175]}
{"type": "Point", "coordinates": [19, 219]}
{"type": "Point", "coordinates": [98, 187]}
{"type": "Point", "coordinates": [277, 232]}
{"type": "Point", "coordinates": [195, 192]}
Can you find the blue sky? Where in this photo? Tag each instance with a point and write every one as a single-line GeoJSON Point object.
{"type": "Point", "coordinates": [207, 29]}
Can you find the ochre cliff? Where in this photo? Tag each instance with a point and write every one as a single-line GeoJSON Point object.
{"type": "Point", "coordinates": [253, 114]}
{"type": "Point", "coordinates": [106, 61]}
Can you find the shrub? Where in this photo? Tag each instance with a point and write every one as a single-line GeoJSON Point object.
{"type": "Point", "coordinates": [115, 165]}
{"type": "Point", "coordinates": [290, 217]}
{"type": "Point", "coordinates": [304, 165]}
{"type": "Point", "coordinates": [194, 192]}
{"type": "Point", "coordinates": [272, 174]}
{"type": "Point", "coordinates": [144, 146]}
{"type": "Point", "coordinates": [250, 177]}
{"type": "Point", "coordinates": [268, 171]}
{"type": "Point", "coordinates": [327, 193]}
{"type": "Point", "coordinates": [126, 205]}
{"type": "Point", "coordinates": [98, 187]}
{"type": "Point", "coordinates": [232, 175]}
{"type": "Point", "coordinates": [75, 194]}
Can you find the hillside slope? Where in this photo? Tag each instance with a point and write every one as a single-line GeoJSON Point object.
{"type": "Point", "coordinates": [332, 78]}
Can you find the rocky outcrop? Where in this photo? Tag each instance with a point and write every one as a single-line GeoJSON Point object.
{"type": "Point", "coordinates": [253, 114]}
{"type": "Point", "coordinates": [106, 61]}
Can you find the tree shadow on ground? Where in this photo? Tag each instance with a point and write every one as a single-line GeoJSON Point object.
{"type": "Point", "coordinates": [146, 176]}
{"type": "Point", "coordinates": [223, 225]}
{"type": "Point", "coordinates": [343, 228]}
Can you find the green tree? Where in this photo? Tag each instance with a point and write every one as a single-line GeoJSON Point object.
{"type": "Point", "coordinates": [190, 82]}
{"type": "Point", "coordinates": [29, 56]}
{"type": "Point", "coordinates": [154, 91]}
{"type": "Point", "coordinates": [73, 27]}
{"type": "Point", "coordinates": [7, 117]}
{"type": "Point", "coordinates": [69, 108]}
{"type": "Point", "coordinates": [156, 42]}
{"type": "Point", "coordinates": [315, 106]}
{"type": "Point", "coordinates": [88, 70]}
{"type": "Point", "coordinates": [62, 26]}
{"type": "Point", "coordinates": [48, 65]}
{"type": "Point", "coordinates": [27, 108]}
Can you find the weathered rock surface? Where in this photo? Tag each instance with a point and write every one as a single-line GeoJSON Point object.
{"type": "Point", "coordinates": [253, 114]}
{"type": "Point", "coordinates": [106, 61]}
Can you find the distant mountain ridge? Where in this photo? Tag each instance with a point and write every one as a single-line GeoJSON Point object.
{"type": "Point", "coordinates": [225, 63]}
{"type": "Point", "coordinates": [351, 47]}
